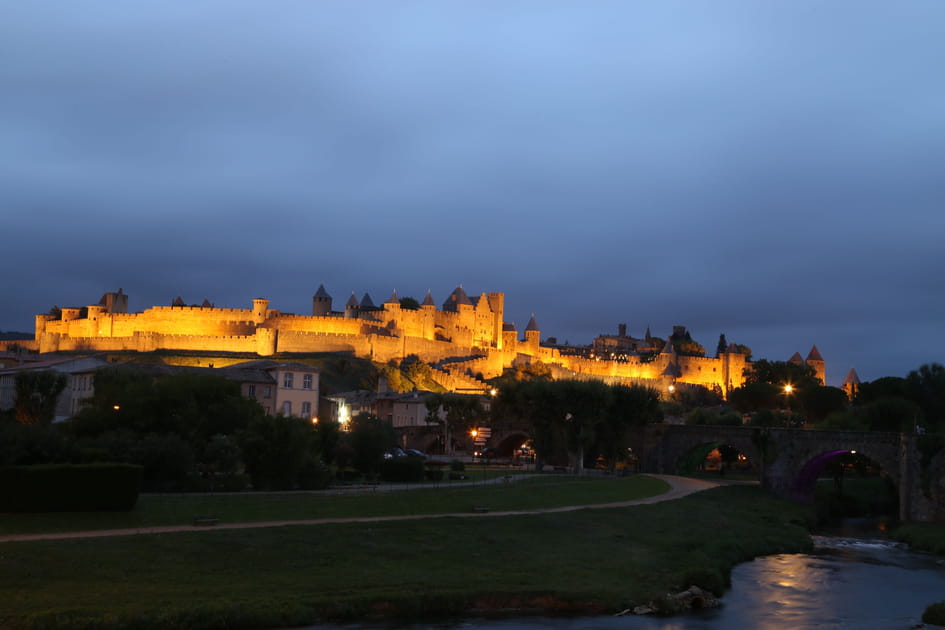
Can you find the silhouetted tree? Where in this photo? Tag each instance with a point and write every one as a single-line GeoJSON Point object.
{"type": "Point", "coordinates": [37, 392]}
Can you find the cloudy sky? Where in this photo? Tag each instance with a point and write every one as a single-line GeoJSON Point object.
{"type": "Point", "coordinates": [771, 171]}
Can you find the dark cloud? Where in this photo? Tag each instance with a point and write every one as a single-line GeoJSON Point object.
{"type": "Point", "coordinates": [770, 172]}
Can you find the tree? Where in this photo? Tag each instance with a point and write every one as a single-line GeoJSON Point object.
{"type": "Point", "coordinates": [781, 373]}
{"type": "Point", "coordinates": [276, 450]}
{"type": "Point", "coordinates": [752, 397]}
{"type": "Point", "coordinates": [37, 392]}
{"type": "Point", "coordinates": [409, 304]}
{"type": "Point", "coordinates": [819, 402]}
{"type": "Point", "coordinates": [370, 437]}
{"type": "Point", "coordinates": [627, 407]}
{"type": "Point", "coordinates": [926, 387]}
{"type": "Point", "coordinates": [458, 414]}
{"type": "Point", "coordinates": [535, 403]}
{"type": "Point", "coordinates": [722, 346]}
{"type": "Point", "coordinates": [583, 404]}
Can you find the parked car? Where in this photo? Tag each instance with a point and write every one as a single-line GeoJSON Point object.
{"type": "Point", "coordinates": [486, 453]}
{"type": "Point", "coordinates": [412, 452]}
{"type": "Point", "coordinates": [394, 452]}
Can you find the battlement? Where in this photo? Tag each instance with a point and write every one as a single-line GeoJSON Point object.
{"type": "Point", "coordinates": [470, 327]}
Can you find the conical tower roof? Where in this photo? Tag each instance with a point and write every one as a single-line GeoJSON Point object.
{"type": "Point", "coordinates": [669, 348]}
{"type": "Point", "coordinates": [532, 324]}
{"type": "Point", "coordinates": [428, 300]}
{"type": "Point", "coordinates": [393, 298]}
{"type": "Point", "coordinates": [852, 378]}
{"type": "Point", "coordinates": [457, 297]}
{"type": "Point", "coordinates": [796, 358]}
{"type": "Point", "coordinates": [814, 354]}
{"type": "Point", "coordinates": [352, 301]}
{"type": "Point", "coordinates": [322, 293]}
{"type": "Point", "coordinates": [672, 369]}
{"type": "Point", "coordinates": [366, 302]}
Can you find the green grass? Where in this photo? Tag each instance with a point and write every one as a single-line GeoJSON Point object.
{"type": "Point", "coordinates": [583, 561]}
{"type": "Point", "coordinates": [525, 494]}
{"type": "Point", "coordinates": [923, 536]}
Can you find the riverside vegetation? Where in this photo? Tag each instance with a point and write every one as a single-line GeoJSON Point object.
{"type": "Point", "coordinates": [926, 537]}
{"type": "Point", "coordinates": [587, 561]}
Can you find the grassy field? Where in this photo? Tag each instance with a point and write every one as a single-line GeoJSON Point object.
{"type": "Point", "coordinates": [588, 561]}
{"type": "Point", "coordinates": [179, 509]}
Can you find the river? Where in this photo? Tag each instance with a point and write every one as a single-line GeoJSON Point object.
{"type": "Point", "coordinates": [845, 584]}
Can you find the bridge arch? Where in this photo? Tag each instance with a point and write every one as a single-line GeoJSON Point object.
{"type": "Point", "coordinates": [691, 461]}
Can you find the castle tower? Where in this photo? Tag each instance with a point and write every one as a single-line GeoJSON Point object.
{"type": "Point", "coordinates": [817, 362]}
{"type": "Point", "coordinates": [532, 334]}
{"type": "Point", "coordinates": [260, 310]}
{"type": "Point", "coordinates": [497, 304]}
{"type": "Point", "coordinates": [321, 302]}
{"type": "Point", "coordinates": [352, 307]}
{"type": "Point", "coordinates": [115, 302]}
{"type": "Point", "coordinates": [851, 384]}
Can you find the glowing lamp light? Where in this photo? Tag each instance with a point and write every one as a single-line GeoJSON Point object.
{"type": "Point", "coordinates": [671, 388]}
{"type": "Point", "coordinates": [493, 392]}
{"type": "Point", "coordinates": [788, 389]}
{"type": "Point", "coordinates": [474, 433]}
{"type": "Point", "coordinates": [314, 419]}
{"type": "Point", "coordinates": [116, 407]}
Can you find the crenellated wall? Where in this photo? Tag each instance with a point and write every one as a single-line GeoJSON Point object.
{"type": "Point", "coordinates": [467, 342]}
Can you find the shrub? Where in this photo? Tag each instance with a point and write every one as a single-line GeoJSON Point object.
{"type": "Point", "coordinates": [315, 475]}
{"type": "Point", "coordinates": [457, 466]}
{"type": "Point", "coordinates": [402, 469]}
{"type": "Point", "coordinates": [706, 578]}
{"type": "Point", "coordinates": [69, 488]}
{"type": "Point", "coordinates": [935, 614]}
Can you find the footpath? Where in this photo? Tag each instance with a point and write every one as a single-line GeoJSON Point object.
{"type": "Point", "coordinates": [679, 487]}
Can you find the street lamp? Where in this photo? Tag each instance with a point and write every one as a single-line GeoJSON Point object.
{"type": "Point", "coordinates": [788, 389]}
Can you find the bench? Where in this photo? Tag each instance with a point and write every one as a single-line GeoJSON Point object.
{"type": "Point", "coordinates": [480, 509]}
{"type": "Point", "coordinates": [205, 520]}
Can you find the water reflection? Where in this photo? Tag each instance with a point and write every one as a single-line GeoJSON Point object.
{"type": "Point", "coordinates": [847, 584]}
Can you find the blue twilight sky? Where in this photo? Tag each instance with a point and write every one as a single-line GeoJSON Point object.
{"type": "Point", "coordinates": [774, 171]}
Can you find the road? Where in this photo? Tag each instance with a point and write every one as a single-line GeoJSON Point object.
{"type": "Point", "coordinates": [679, 487]}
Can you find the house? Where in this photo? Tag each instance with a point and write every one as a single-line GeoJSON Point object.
{"type": "Point", "coordinates": [80, 382]}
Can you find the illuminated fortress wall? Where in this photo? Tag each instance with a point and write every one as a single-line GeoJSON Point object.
{"type": "Point", "coordinates": [465, 340]}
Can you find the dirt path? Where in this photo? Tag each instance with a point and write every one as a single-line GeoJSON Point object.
{"type": "Point", "coordinates": [679, 487]}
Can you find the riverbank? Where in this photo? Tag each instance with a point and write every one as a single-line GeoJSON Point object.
{"type": "Point", "coordinates": [588, 561]}
{"type": "Point", "coordinates": [928, 537]}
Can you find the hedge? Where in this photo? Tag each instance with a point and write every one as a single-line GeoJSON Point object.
{"type": "Point", "coordinates": [69, 488]}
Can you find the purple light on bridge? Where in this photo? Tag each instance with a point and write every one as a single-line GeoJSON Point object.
{"type": "Point", "coordinates": [806, 479]}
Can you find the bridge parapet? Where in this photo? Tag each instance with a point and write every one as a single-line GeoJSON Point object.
{"type": "Point", "coordinates": [790, 460]}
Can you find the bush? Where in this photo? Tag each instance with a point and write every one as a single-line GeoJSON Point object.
{"type": "Point", "coordinates": [402, 469]}
{"type": "Point", "coordinates": [935, 614]}
{"type": "Point", "coordinates": [69, 488]}
{"type": "Point", "coordinates": [315, 475]}
{"type": "Point", "coordinates": [457, 466]}
{"type": "Point", "coordinates": [706, 578]}
{"type": "Point", "coordinates": [433, 474]}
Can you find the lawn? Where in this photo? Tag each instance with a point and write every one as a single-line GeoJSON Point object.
{"type": "Point", "coordinates": [527, 493]}
{"type": "Point", "coordinates": [583, 561]}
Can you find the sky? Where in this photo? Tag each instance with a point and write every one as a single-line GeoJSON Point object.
{"type": "Point", "coordinates": [773, 171]}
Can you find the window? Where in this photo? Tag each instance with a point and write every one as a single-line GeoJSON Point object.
{"type": "Point", "coordinates": [267, 393]}
{"type": "Point", "coordinates": [287, 408]}
{"type": "Point", "coordinates": [306, 409]}
{"type": "Point", "coordinates": [288, 380]}
{"type": "Point", "coordinates": [251, 391]}
{"type": "Point", "coordinates": [307, 381]}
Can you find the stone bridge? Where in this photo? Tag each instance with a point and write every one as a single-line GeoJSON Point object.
{"type": "Point", "coordinates": [789, 461]}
